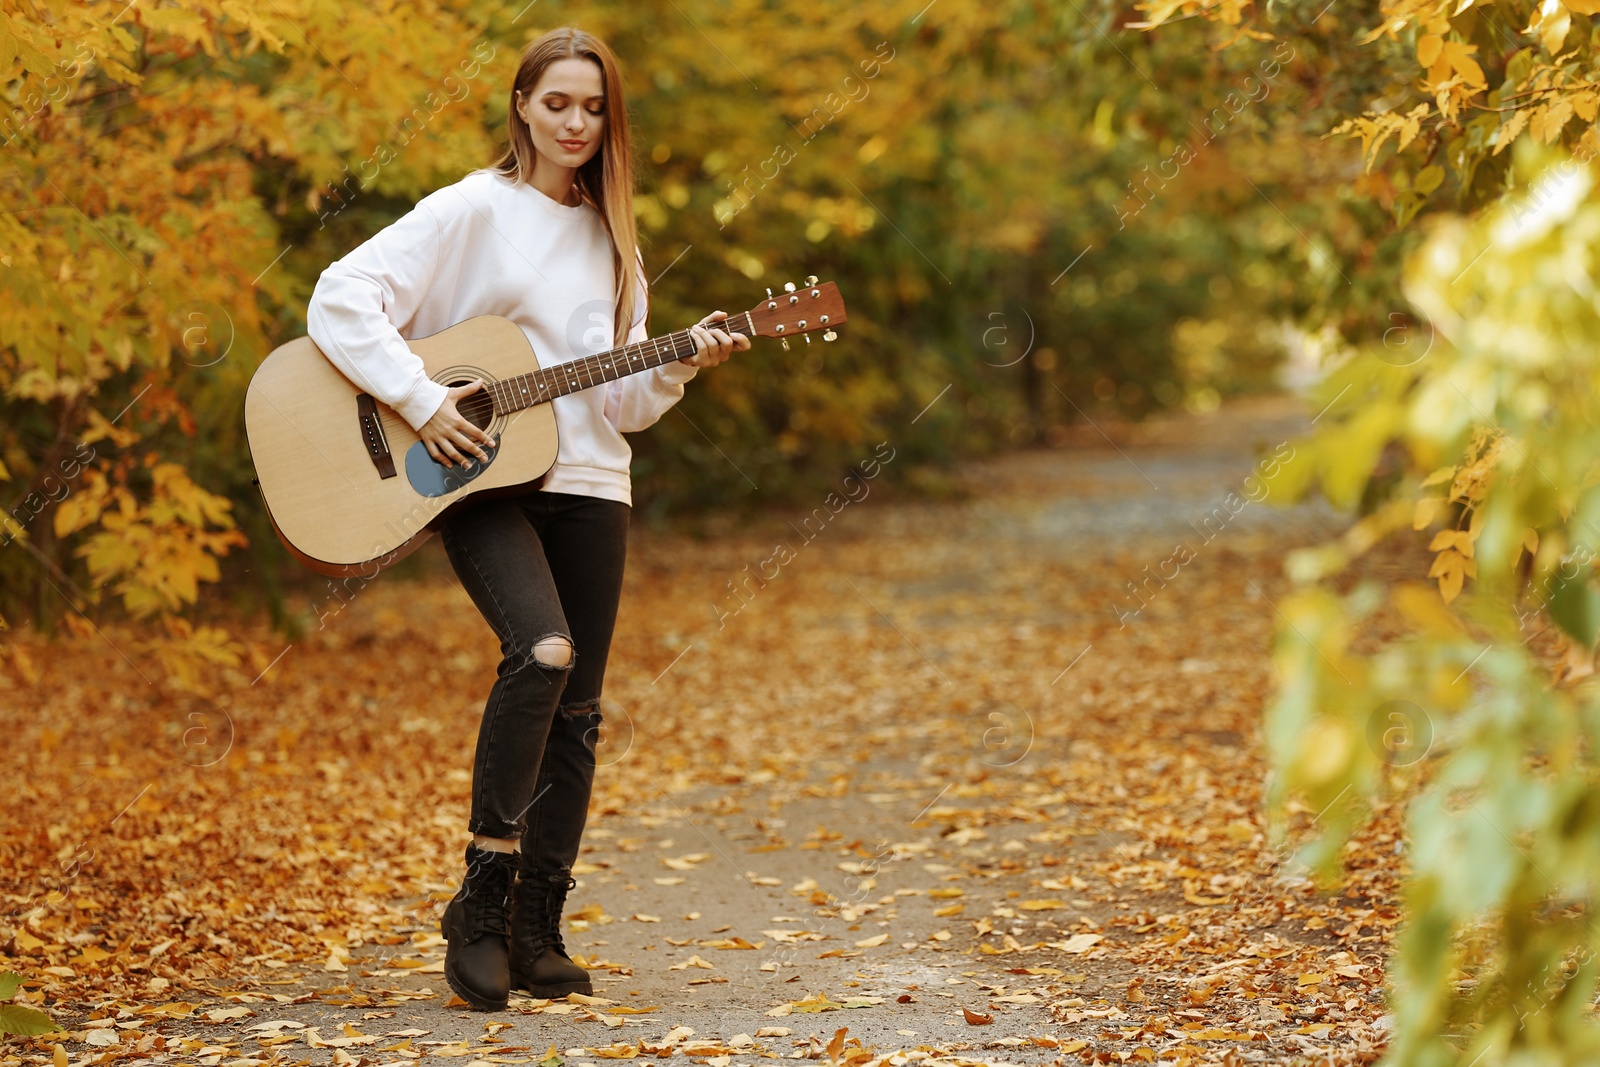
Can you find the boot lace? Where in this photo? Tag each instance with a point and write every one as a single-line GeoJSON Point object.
{"type": "Point", "coordinates": [487, 894]}
{"type": "Point", "coordinates": [560, 885]}
{"type": "Point", "coordinates": [545, 912]}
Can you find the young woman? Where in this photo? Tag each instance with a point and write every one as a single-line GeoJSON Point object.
{"type": "Point", "coordinates": [546, 238]}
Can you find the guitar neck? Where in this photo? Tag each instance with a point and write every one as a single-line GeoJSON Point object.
{"type": "Point", "coordinates": [538, 386]}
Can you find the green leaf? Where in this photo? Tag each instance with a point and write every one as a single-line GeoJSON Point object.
{"type": "Point", "coordinates": [10, 982]}
{"type": "Point", "coordinates": [25, 1022]}
{"type": "Point", "coordinates": [1429, 179]}
{"type": "Point", "coordinates": [1518, 66]}
{"type": "Point", "coordinates": [1575, 605]}
{"type": "Point", "coordinates": [1348, 465]}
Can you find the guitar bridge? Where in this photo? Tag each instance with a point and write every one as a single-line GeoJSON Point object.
{"type": "Point", "coordinates": [372, 435]}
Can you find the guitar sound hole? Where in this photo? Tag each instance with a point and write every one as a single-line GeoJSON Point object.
{"type": "Point", "coordinates": [478, 408]}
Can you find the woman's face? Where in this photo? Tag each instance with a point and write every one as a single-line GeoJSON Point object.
{"type": "Point", "coordinates": [566, 112]}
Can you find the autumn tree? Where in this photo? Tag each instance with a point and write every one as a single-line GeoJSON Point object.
{"type": "Point", "coordinates": [975, 177]}
{"type": "Point", "coordinates": [151, 155]}
{"type": "Point", "coordinates": [1469, 422]}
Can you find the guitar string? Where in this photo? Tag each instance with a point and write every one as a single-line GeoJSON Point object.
{"type": "Point", "coordinates": [553, 380]}
{"type": "Point", "coordinates": [513, 394]}
{"type": "Point", "coordinates": [547, 383]}
{"type": "Point", "coordinates": [562, 378]}
{"type": "Point", "coordinates": [479, 408]}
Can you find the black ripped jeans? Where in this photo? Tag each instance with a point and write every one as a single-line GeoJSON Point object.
{"type": "Point", "coordinates": [540, 565]}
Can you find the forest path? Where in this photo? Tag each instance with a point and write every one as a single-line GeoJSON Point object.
{"type": "Point", "coordinates": [941, 779]}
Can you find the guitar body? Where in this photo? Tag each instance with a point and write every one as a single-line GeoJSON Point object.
{"type": "Point", "coordinates": [319, 445]}
{"type": "Point", "coordinates": [350, 487]}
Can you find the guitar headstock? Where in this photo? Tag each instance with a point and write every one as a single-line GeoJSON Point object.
{"type": "Point", "coordinates": [800, 311]}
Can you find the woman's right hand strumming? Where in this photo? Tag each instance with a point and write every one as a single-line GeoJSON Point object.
{"type": "Point", "coordinates": [449, 433]}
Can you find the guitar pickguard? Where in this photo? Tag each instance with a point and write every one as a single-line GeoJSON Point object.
{"type": "Point", "coordinates": [429, 477]}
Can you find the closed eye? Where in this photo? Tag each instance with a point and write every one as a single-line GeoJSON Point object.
{"type": "Point", "coordinates": [562, 107]}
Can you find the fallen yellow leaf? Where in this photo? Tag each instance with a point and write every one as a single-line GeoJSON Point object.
{"type": "Point", "coordinates": [692, 961]}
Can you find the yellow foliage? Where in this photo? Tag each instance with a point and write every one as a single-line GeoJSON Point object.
{"type": "Point", "coordinates": [1543, 79]}
{"type": "Point", "coordinates": [137, 134]}
{"type": "Point", "coordinates": [154, 555]}
{"type": "Point", "coordinates": [1422, 608]}
{"type": "Point", "coordinates": [1374, 130]}
{"type": "Point", "coordinates": [185, 652]}
{"type": "Point", "coordinates": [1509, 392]}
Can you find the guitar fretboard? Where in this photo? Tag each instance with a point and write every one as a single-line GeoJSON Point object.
{"type": "Point", "coordinates": [536, 387]}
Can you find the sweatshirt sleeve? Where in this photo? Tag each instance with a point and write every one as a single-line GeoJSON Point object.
{"type": "Point", "coordinates": [636, 401]}
{"type": "Point", "coordinates": [361, 301]}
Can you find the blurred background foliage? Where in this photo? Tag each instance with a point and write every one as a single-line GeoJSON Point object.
{"type": "Point", "coordinates": [1039, 213]}
{"type": "Point", "coordinates": [1002, 191]}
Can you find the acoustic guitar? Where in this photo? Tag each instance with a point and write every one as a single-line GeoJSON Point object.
{"type": "Point", "coordinates": [350, 487]}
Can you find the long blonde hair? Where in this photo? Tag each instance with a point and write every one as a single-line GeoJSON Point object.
{"type": "Point", "coordinates": [606, 180]}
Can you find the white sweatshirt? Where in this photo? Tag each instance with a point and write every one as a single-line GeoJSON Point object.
{"type": "Point", "coordinates": [486, 247]}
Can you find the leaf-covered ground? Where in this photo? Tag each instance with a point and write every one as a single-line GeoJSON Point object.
{"type": "Point", "coordinates": [942, 789]}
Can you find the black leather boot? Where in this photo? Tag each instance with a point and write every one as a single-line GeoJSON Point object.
{"type": "Point", "coordinates": [539, 961]}
{"type": "Point", "coordinates": [476, 925]}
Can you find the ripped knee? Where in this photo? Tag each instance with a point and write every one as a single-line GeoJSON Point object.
{"type": "Point", "coordinates": [553, 651]}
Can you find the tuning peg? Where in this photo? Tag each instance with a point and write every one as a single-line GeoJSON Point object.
{"type": "Point", "coordinates": [829, 335]}
{"type": "Point", "coordinates": [811, 279]}
{"type": "Point", "coordinates": [808, 338]}
{"type": "Point", "coordinates": [769, 292]}
{"type": "Point", "coordinates": [785, 344]}
{"type": "Point", "coordinates": [788, 287]}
